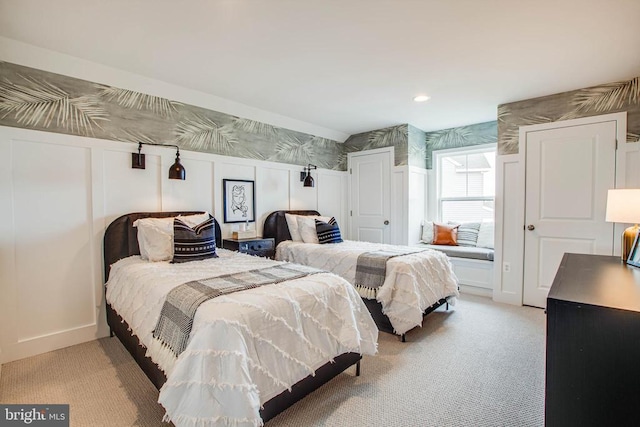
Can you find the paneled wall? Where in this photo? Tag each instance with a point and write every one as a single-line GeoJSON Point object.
{"type": "Point", "coordinates": [58, 193]}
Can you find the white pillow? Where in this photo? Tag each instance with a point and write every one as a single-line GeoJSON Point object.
{"type": "Point", "coordinates": [292, 223]}
{"type": "Point", "coordinates": [155, 235]}
{"type": "Point", "coordinates": [427, 232]}
{"type": "Point", "coordinates": [485, 235]}
{"type": "Point", "coordinates": [192, 220]}
{"type": "Point", "coordinates": [155, 238]}
{"type": "Point", "coordinates": [307, 227]}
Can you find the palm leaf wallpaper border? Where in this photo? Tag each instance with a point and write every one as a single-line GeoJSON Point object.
{"type": "Point", "coordinates": [396, 136]}
{"type": "Point", "coordinates": [592, 101]}
{"type": "Point", "coordinates": [461, 136]}
{"type": "Point", "coordinates": [40, 100]}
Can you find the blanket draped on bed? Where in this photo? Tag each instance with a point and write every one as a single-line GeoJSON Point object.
{"type": "Point", "coordinates": [176, 318]}
{"type": "Point", "coordinates": [371, 268]}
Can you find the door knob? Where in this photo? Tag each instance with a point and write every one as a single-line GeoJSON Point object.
{"type": "Point", "coordinates": [531, 227]}
{"type": "Point", "coordinates": [386, 222]}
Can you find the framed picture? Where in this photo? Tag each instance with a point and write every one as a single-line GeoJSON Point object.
{"type": "Point", "coordinates": [634, 254]}
{"type": "Point", "coordinates": [239, 200]}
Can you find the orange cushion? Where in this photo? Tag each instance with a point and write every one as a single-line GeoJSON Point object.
{"type": "Point", "coordinates": [445, 234]}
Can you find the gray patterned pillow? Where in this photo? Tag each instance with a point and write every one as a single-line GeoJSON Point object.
{"type": "Point", "coordinates": [468, 233]}
{"type": "Point", "coordinates": [194, 244]}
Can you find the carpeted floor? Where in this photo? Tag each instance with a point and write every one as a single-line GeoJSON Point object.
{"type": "Point", "coordinates": [479, 364]}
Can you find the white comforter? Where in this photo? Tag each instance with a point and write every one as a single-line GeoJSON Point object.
{"type": "Point", "coordinates": [412, 284]}
{"type": "Point", "coordinates": [245, 347]}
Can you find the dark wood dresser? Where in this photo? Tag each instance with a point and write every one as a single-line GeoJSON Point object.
{"type": "Point", "coordinates": [593, 343]}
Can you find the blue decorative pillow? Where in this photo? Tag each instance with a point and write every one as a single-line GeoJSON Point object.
{"type": "Point", "coordinates": [194, 244]}
{"type": "Point", "coordinates": [328, 232]}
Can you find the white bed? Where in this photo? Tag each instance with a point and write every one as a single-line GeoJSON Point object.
{"type": "Point", "coordinates": [245, 348]}
{"type": "Point", "coordinates": [412, 283]}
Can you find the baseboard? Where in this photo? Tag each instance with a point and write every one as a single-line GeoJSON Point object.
{"type": "Point", "coordinates": [474, 290]}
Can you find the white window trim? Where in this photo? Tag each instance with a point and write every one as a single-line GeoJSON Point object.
{"type": "Point", "coordinates": [437, 154]}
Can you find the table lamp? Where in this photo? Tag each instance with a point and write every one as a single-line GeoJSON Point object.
{"type": "Point", "coordinates": [623, 205]}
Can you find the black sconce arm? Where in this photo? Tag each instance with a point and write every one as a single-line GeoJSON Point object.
{"type": "Point", "coordinates": [176, 171]}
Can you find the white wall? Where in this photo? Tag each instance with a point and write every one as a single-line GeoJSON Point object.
{"type": "Point", "coordinates": [58, 193]}
{"type": "Point", "coordinates": [417, 204]}
{"type": "Point", "coordinates": [509, 232]}
{"type": "Point", "coordinates": [408, 203]}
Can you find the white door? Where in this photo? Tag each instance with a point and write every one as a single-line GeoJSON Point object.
{"type": "Point", "coordinates": [370, 204]}
{"type": "Point", "coordinates": [568, 172]}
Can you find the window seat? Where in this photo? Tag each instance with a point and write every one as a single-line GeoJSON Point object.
{"type": "Point", "coordinates": [470, 252]}
{"type": "Point", "coordinates": [473, 267]}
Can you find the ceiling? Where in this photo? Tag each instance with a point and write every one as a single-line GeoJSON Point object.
{"type": "Point", "coordinates": [349, 65]}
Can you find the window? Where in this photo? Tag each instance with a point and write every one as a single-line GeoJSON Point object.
{"type": "Point", "coordinates": [466, 183]}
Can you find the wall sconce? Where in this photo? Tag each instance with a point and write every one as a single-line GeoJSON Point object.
{"type": "Point", "coordinates": [305, 176]}
{"type": "Point", "coordinates": [176, 171]}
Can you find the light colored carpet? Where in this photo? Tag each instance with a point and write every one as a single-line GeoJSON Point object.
{"type": "Point", "coordinates": [480, 364]}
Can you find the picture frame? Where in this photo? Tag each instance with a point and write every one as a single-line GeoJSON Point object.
{"type": "Point", "coordinates": [239, 200]}
{"type": "Point", "coordinates": [634, 254]}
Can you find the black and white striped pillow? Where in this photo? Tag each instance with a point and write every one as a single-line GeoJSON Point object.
{"type": "Point", "coordinates": [468, 233]}
{"type": "Point", "coordinates": [328, 232]}
{"type": "Point", "coordinates": [194, 244]}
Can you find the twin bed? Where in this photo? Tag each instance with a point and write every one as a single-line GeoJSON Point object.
{"type": "Point", "coordinates": [415, 284]}
{"type": "Point", "coordinates": [251, 354]}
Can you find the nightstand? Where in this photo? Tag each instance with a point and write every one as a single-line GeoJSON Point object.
{"type": "Point", "coordinates": [258, 246]}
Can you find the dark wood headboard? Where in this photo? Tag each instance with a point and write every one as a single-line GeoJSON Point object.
{"type": "Point", "coordinates": [275, 225]}
{"type": "Point", "coordinates": [121, 237]}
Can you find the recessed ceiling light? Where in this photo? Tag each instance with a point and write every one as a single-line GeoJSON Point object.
{"type": "Point", "coordinates": [421, 98]}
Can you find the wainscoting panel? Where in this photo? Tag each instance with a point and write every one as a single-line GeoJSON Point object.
{"type": "Point", "coordinates": [272, 192]}
{"type": "Point", "coordinates": [303, 197]}
{"type": "Point", "coordinates": [52, 213]}
{"type": "Point", "coordinates": [509, 239]}
{"type": "Point", "coordinates": [417, 203]}
{"type": "Point", "coordinates": [399, 202]}
{"type": "Point", "coordinates": [632, 158]}
{"type": "Point", "coordinates": [331, 197]}
{"type": "Point", "coordinates": [226, 169]}
{"type": "Point", "coordinates": [127, 189]}
{"type": "Point", "coordinates": [194, 193]}
{"type": "Point", "coordinates": [47, 251]}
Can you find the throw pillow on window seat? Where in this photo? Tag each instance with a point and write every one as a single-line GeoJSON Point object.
{"type": "Point", "coordinates": [468, 233]}
{"type": "Point", "coordinates": [444, 234]}
{"type": "Point", "coordinates": [485, 235]}
{"type": "Point", "coordinates": [427, 232]}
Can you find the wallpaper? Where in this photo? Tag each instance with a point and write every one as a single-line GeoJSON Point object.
{"type": "Point", "coordinates": [40, 100]}
{"type": "Point", "coordinates": [396, 136]}
{"type": "Point", "coordinates": [463, 136]}
{"type": "Point", "coordinates": [417, 150]}
{"type": "Point", "coordinates": [603, 99]}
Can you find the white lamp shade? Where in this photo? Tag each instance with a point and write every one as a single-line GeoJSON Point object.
{"type": "Point", "coordinates": [623, 205]}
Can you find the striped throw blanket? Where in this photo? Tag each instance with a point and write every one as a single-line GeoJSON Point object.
{"type": "Point", "coordinates": [176, 318]}
{"type": "Point", "coordinates": [371, 267]}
